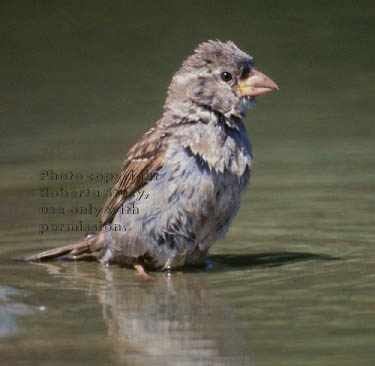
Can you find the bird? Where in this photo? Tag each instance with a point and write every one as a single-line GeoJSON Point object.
{"type": "Point", "coordinates": [193, 166]}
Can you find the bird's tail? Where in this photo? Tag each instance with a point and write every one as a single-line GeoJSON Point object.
{"type": "Point", "coordinates": [91, 242]}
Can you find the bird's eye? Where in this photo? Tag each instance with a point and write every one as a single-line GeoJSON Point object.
{"type": "Point", "coordinates": [226, 76]}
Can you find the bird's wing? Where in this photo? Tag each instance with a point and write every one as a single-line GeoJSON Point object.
{"type": "Point", "coordinates": [144, 159]}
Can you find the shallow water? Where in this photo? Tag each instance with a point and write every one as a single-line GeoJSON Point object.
{"type": "Point", "coordinates": [293, 281]}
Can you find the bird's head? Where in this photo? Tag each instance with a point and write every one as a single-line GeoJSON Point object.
{"type": "Point", "coordinates": [219, 76]}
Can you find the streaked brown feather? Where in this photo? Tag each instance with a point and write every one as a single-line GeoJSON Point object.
{"type": "Point", "coordinates": [145, 157]}
{"type": "Point", "coordinates": [91, 242]}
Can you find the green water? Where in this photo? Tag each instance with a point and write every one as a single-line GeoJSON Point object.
{"type": "Point", "coordinates": [293, 281]}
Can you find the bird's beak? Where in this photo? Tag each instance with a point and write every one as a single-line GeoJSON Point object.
{"type": "Point", "coordinates": [257, 83]}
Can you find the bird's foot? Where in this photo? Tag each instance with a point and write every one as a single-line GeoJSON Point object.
{"type": "Point", "coordinates": [142, 273]}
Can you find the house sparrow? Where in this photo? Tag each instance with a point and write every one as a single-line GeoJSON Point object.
{"type": "Point", "coordinates": [199, 157]}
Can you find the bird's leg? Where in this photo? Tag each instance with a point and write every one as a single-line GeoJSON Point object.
{"type": "Point", "coordinates": [141, 272]}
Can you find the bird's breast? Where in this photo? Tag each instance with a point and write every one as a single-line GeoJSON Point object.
{"type": "Point", "coordinates": [223, 150]}
{"type": "Point", "coordinates": [206, 196]}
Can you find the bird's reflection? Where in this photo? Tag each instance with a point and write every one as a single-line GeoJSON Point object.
{"type": "Point", "coordinates": [174, 320]}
